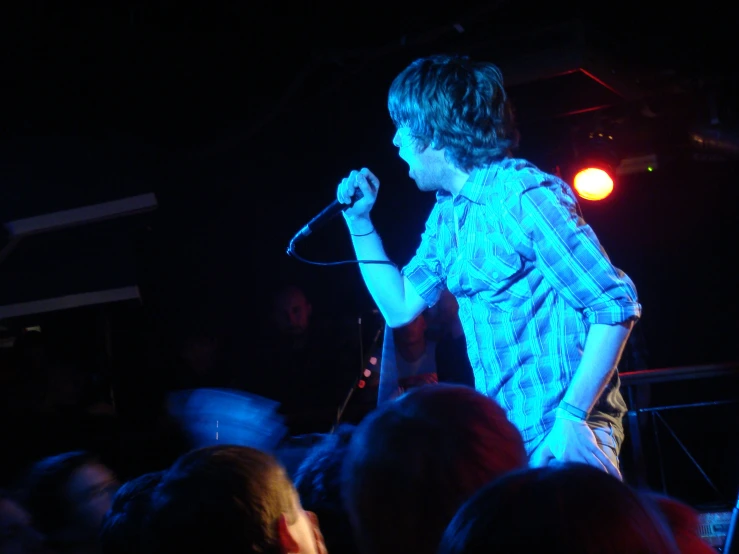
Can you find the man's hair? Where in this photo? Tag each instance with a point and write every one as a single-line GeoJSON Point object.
{"type": "Point", "coordinates": [566, 507]}
{"type": "Point", "coordinates": [318, 482]}
{"type": "Point", "coordinates": [682, 520]}
{"type": "Point", "coordinates": [122, 525]}
{"type": "Point", "coordinates": [220, 499]}
{"type": "Point", "coordinates": [414, 460]}
{"type": "Point", "coordinates": [44, 491]}
{"type": "Point", "coordinates": [458, 104]}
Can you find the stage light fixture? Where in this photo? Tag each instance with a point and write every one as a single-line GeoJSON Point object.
{"type": "Point", "coordinates": [594, 171]}
{"type": "Point", "coordinates": [593, 183]}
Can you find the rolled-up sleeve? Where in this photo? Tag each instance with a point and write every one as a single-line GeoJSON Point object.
{"type": "Point", "coordinates": [424, 269]}
{"type": "Point", "coordinates": [569, 255]}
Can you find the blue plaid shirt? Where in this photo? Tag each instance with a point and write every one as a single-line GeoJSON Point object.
{"type": "Point", "coordinates": [530, 277]}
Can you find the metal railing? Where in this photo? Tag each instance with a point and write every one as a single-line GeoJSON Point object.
{"type": "Point", "coordinates": [635, 384]}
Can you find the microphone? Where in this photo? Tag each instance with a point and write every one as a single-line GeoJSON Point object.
{"type": "Point", "coordinates": [328, 213]}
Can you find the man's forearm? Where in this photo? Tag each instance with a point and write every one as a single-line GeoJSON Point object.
{"type": "Point", "coordinates": [603, 348]}
{"type": "Point", "coordinates": [383, 280]}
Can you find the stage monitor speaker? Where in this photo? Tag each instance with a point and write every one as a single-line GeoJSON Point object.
{"type": "Point", "coordinates": [714, 528]}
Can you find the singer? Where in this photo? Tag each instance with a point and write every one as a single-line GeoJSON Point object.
{"type": "Point", "coordinates": [545, 313]}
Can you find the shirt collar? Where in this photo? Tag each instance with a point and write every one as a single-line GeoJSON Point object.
{"type": "Point", "coordinates": [476, 184]}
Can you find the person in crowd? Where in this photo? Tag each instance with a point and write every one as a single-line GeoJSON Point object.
{"type": "Point", "coordinates": [568, 507]}
{"type": "Point", "coordinates": [17, 532]}
{"type": "Point", "coordinates": [229, 498]}
{"type": "Point", "coordinates": [318, 482]}
{"type": "Point", "coordinates": [413, 461]}
{"type": "Point", "coordinates": [303, 360]}
{"type": "Point", "coordinates": [123, 524]}
{"type": "Point", "coordinates": [68, 496]}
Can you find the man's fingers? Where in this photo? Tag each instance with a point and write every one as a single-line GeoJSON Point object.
{"type": "Point", "coordinates": [594, 456]}
{"type": "Point", "coordinates": [364, 184]}
{"type": "Point", "coordinates": [606, 462]}
{"type": "Point", "coordinates": [345, 191]}
{"type": "Point", "coordinates": [541, 456]}
{"type": "Point", "coordinates": [371, 178]}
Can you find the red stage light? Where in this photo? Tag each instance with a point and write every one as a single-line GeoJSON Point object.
{"type": "Point", "coordinates": [593, 183]}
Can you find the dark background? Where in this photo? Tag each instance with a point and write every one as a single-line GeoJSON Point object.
{"type": "Point", "coordinates": [243, 117]}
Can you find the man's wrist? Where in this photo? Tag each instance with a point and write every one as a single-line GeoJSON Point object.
{"type": "Point", "coordinates": [359, 225]}
{"type": "Point", "coordinates": [560, 414]}
{"type": "Point", "coordinates": [573, 411]}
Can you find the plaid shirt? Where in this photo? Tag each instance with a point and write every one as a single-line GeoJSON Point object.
{"type": "Point", "coordinates": [530, 278]}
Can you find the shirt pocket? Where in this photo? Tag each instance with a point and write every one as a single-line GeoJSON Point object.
{"type": "Point", "coordinates": [494, 273]}
{"type": "Point", "coordinates": [490, 265]}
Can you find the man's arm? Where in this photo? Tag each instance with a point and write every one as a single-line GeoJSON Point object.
{"type": "Point", "coordinates": [603, 348]}
{"type": "Point", "coordinates": [395, 296]}
{"type": "Point", "coordinates": [570, 257]}
{"type": "Point", "coordinates": [571, 439]}
{"type": "Point", "coordinates": [568, 254]}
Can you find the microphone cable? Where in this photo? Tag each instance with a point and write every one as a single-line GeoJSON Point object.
{"type": "Point", "coordinates": [291, 252]}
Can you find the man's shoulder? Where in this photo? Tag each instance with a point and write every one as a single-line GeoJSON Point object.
{"type": "Point", "coordinates": [517, 174]}
{"type": "Point", "coordinates": [514, 177]}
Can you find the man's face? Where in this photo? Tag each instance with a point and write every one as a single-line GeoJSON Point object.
{"type": "Point", "coordinates": [292, 314]}
{"type": "Point", "coordinates": [305, 530]}
{"type": "Point", "coordinates": [428, 167]}
{"type": "Point", "coordinates": [90, 490]}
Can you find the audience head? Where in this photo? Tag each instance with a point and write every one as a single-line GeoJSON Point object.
{"type": "Point", "coordinates": [413, 461]}
{"type": "Point", "coordinates": [572, 508]}
{"type": "Point", "coordinates": [123, 524]}
{"type": "Point", "coordinates": [229, 499]}
{"type": "Point", "coordinates": [291, 311]}
{"type": "Point", "coordinates": [318, 481]}
{"type": "Point", "coordinates": [683, 521]}
{"type": "Point", "coordinates": [68, 495]}
{"type": "Point", "coordinates": [201, 351]}
{"type": "Point", "coordinates": [17, 533]}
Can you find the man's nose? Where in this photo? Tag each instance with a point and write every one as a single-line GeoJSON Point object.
{"type": "Point", "coordinates": [397, 139]}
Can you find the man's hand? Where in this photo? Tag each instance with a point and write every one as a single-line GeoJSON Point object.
{"type": "Point", "coordinates": [365, 181]}
{"type": "Point", "coordinates": [572, 441]}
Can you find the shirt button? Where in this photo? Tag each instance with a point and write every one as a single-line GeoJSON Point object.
{"type": "Point", "coordinates": [495, 274]}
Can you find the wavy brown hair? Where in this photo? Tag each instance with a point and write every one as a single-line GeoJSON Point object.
{"type": "Point", "coordinates": [458, 104]}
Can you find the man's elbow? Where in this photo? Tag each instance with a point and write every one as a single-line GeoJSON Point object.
{"type": "Point", "coordinates": [399, 319]}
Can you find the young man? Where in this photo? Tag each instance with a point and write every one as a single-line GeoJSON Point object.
{"type": "Point", "coordinates": [229, 498]}
{"type": "Point", "coordinates": [545, 313]}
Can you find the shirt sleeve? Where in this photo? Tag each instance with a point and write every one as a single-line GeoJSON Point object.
{"type": "Point", "coordinates": [571, 258]}
{"type": "Point", "coordinates": [424, 270]}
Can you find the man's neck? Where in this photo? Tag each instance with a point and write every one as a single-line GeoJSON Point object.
{"type": "Point", "coordinates": [457, 180]}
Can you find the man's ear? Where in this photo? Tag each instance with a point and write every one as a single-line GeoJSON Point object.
{"type": "Point", "coordinates": [317, 534]}
{"type": "Point", "coordinates": [285, 538]}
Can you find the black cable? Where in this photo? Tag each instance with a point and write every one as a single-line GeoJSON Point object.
{"type": "Point", "coordinates": [291, 252]}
